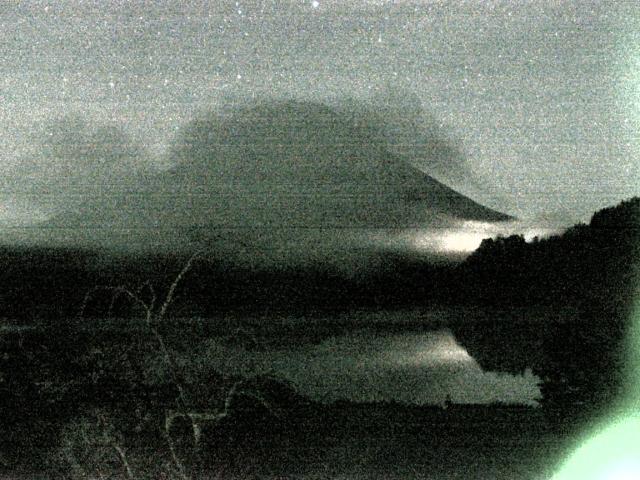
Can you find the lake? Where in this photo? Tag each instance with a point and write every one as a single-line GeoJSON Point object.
{"type": "Point", "coordinates": [380, 356]}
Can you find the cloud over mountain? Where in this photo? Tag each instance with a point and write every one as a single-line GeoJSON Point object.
{"type": "Point", "coordinates": [293, 178]}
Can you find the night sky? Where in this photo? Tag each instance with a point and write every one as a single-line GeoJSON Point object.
{"type": "Point", "coordinates": [528, 108]}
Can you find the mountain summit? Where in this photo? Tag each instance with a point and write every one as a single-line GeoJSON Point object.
{"type": "Point", "coordinates": [282, 172]}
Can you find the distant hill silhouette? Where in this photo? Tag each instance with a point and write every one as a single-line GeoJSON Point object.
{"type": "Point", "coordinates": [587, 278]}
{"type": "Point", "coordinates": [291, 177]}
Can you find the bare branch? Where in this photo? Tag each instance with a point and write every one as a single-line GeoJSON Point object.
{"type": "Point", "coordinates": [136, 299]}
{"type": "Point", "coordinates": [149, 285]}
{"type": "Point", "coordinates": [117, 291]}
{"type": "Point", "coordinates": [255, 396]}
{"type": "Point", "coordinates": [85, 301]}
{"type": "Point", "coordinates": [152, 320]}
{"type": "Point", "coordinates": [173, 368]}
{"type": "Point", "coordinates": [111, 440]}
{"type": "Point", "coordinates": [123, 459]}
{"type": "Point", "coordinates": [114, 297]}
{"type": "Point", "coordinates": [168, 422]}
{"type": "Point", "coordinates": [174, 285]}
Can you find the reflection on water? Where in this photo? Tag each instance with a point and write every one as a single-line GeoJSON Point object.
{"type": "Point", "coordinates": [414, 367]}
{"type": "Point", "coordinates": [435, 349]}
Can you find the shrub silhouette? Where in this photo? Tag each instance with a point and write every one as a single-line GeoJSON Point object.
{"type": "Point", "coordinates": [592, 268]}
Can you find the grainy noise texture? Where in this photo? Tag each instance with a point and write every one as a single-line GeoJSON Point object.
{"type": "Point", "coordinates": [317, 239]}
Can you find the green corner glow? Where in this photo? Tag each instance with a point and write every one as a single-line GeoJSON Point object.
{"type": "Point", "coordinates": [632, 399]}
{"type": "Point", "coordinates": [612, 452]}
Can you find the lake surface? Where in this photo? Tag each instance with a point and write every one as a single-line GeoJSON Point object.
{"type": "Point", "coordinates": [405, 356]}
{"type": "Point", "coordinates": [368, 365]}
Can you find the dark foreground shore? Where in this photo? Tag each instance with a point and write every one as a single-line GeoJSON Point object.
{"type": "Point", "coordinates": [315, 442]}
{"type": "Point", "coordinates": [83, 402]}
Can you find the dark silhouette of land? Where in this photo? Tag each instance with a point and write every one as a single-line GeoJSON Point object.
{"type": "Point", "coordinates": [58, 369]}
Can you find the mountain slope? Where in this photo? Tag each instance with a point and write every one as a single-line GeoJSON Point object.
{"type": "Point", "coordinates": [291, 173]}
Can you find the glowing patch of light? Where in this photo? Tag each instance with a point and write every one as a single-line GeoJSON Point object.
{"type": "Point", "coordinates": [466, 237]}
{"type": "Point", "coordinates": [14, 212]}
{"type": "Point", "coordinates": [444, 354]}
{"type": "Point", "coordinates": [441, 349]}
{"type": "Point", "coordinates": [462, 238]}
{"type": "Point", "coordinates": [612, 454]}
{"type": "Point", "coordinates": [461, 241]}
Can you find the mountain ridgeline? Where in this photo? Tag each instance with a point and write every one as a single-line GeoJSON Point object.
{"type": "Point", "coordinates": [297, 179]}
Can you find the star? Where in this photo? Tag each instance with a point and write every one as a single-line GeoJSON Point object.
{"type": "Point", "coordinates": [315, 4]}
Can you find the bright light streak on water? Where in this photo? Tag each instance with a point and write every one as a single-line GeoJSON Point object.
{"type": "Point", "coordinates": [435, 349]}
{"type": "Point", "coordinates": [413, 367]}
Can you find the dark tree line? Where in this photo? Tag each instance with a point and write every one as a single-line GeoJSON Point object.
{"type": "Point", "coordinates": [587, 278]}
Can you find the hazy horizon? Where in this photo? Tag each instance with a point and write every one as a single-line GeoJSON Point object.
{"type": "Point", "coordinates": [529, 110]}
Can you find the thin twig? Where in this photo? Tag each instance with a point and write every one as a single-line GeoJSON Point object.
{"type": "Point", "coordinates": [174, 285]}
{"type": "Point", "coordinates": [168, 422]}
{"type": "Point", "coordinates": [119, 290]}
{"type": "Point", "coordinates": [149, 285]}
{"type": "Point", "coordinates": [112, 304]}
{"type": "Point", "coordinates": [123, 459]}
{"type": "Point", "coordinates": [152, 321]}
{"type": "Point", "coordinates": [236, 389]}
{"type": "Point", "coordinates": [111, 440]}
